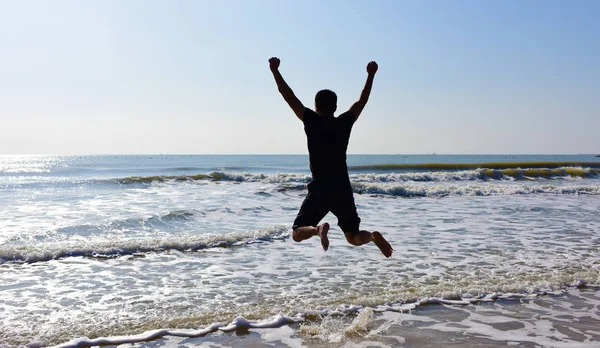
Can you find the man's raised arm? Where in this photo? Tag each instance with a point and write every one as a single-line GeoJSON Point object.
{"type": "Point", "coordinates": [358, 107]}
{"type": "Point", "coordinates": [285, 90]}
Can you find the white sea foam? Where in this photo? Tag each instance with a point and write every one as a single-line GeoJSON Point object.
{"type": "Point", "coordinates": [451, 250]}
{"type": "Point", "coordinates": [238, 323]}
{"type": "Point", "coordinates": [388, 177]}
{"type": "Point", "coordinates": [143, 337]}
{"type": "Point", "coordinates": [420, 190]}
{"type": "Point", "coordinates": [102, 248]}
{"type": "Point", "coordinates": [365, 324]}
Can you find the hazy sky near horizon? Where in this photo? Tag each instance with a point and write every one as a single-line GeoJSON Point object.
{"type": "Point", "coordinates": [138, 77]}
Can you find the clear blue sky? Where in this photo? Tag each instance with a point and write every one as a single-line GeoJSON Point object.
{"type": "Point", "coordinates": [85, 77]}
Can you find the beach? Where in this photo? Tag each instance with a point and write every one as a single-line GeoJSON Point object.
{"type": "Point", "coordinates": [178, 250]}
{"type": "Point", "coordinates": [569, 319]}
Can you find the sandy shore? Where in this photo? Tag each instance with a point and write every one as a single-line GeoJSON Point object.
{"type": "Point", "coordinates": [571, 319]}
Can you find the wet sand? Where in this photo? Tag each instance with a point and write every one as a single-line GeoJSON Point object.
{"type": "Point", "coordinates": [571, 319]}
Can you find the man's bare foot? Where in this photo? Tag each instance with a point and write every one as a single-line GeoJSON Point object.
{"type": "Point", "coordinates": [382, 244]}
{"type": "Point", "coordinates": [322, 232]}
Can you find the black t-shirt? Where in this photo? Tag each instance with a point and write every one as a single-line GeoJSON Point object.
{"type": "Point", "coordinates": [327, 139]}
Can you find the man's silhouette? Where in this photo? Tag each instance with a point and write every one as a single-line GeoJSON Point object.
{"type": "Point", "coordinates": [330, 189]}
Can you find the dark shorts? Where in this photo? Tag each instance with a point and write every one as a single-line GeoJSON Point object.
{"type": "Point", "coordinates": [318, 203]}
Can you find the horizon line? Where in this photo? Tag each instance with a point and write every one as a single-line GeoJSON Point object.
{"type": "Point", "coordinates": [303, 154]}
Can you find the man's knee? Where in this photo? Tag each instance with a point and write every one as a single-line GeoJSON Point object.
{"type": "Point", "coordinates": [295, 234]}
{"type": "Point", "coordinates": [351, 237]}
{"type": "Point", "coordinates": [295, 237]}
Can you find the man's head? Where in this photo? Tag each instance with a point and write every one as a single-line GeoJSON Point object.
{"type": "Point", "coordinates": [326, 102]}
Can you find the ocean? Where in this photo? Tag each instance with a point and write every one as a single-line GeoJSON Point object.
{"type": "Point", "coordinates": [195, 251]}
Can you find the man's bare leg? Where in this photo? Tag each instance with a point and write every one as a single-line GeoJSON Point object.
{"type": "Point", "coordinates": [306, 232]}
{"type": "Point", "coordinates": [364, 237]}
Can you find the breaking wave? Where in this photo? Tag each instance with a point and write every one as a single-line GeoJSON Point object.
{"type": "Point", "coordinates": [404, 190]}
{"type": "Point", "coordinates": [217, 176]}
{"type": "Point", "coordinates": [351, 320]}
{"type": "Point", "coordinates": [482, 174]}
{"type": "Point", "coordinates": [30, 253]}
{"type": "Point", "coordinates": [426, 190]}
{"type": "Point", "coordinates": [467, 166]}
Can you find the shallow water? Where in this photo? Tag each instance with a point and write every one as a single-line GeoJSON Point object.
{"type": "Point", "coordinates": [568, 319]}
{"type": "Point", "coordinates": [105, 256]}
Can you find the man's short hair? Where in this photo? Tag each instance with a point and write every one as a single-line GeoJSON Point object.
{"type": "Point", "coordinates": [326, 101]}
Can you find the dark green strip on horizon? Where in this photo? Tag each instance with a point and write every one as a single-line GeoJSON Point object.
{"type": "Point", "coordinates": [467, 166]}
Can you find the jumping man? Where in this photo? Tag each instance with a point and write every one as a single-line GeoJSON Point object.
{"type": "Point", "coordinates": [330, 189]}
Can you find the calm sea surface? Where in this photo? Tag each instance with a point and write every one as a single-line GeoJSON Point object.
{"type": "Point", "coordinates": [491, 250]}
